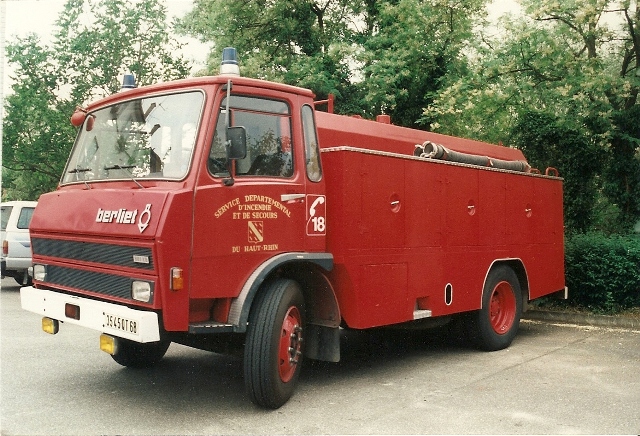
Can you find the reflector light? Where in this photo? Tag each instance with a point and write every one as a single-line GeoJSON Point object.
{"type": "Point", "coordinates": [108, 344]}
{"type": "Point", "coordinates": [5, 247]}
{"type": "Point", "coordinates": [177, 281]}
{"type": "Point", "coordinates": [72, 311]}
{"type": "Point", "coordinates": [50, 326]}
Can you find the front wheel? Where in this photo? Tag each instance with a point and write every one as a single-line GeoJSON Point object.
{"type": "Point", "coordinates": [139, 355]}
{"type": "Point", "coordinates": [273, 348]}
{"type": "Point", "coordinates": [23, 278]}
{"type": "Point", "coordinates": [494, 326]}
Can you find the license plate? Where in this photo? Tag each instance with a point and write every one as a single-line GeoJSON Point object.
{"type": "Point", "coordinates": [120, 323]}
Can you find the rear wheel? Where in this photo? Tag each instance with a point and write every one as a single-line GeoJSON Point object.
{"type": "Point", "coordinates": [273, 349]}
{"type": "Point", "coordinates": [139, 355]}
{"type": "Point", "coordinates": [494, 326]}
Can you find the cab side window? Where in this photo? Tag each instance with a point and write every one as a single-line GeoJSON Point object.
{"type": "Point", "coordinates": [311, 149]}
{"type": "Point", "coordinates": [269, 144]}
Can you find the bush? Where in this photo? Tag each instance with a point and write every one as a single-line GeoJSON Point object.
{"type": "Point", "coordinates": [603, 272]}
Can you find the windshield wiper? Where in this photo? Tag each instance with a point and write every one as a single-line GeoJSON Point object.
{"type": "Point", "coordinates": [79, 170]}
{"type": "Point", "coordinates": [119, 167]}
{"type": "Point", "coordinates": [125, 167]}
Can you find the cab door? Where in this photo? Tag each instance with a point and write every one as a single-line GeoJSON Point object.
{"type": "Point", "coordinates": [239, 223]}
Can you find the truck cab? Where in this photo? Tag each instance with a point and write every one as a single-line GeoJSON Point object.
{"type": "Point", "coordinates": [180, 201]}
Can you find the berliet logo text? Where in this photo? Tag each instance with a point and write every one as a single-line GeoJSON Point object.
{"type": "Point", "coordinates": [120, 216]}
{"type": "Point", "coordinates": [124, 216]}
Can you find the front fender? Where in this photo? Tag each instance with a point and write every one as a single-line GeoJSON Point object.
{"type": "Point", "coordinates": [241, 305]}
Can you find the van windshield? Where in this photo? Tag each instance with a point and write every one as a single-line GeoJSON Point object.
{"type": "Point", "coordinates": [145, 138]}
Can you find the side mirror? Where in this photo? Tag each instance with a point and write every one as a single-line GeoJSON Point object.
{"type": "Point", "coordinates": [236, 142]}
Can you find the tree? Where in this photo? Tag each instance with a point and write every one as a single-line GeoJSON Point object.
{"type": "Point", "coordinates": [36, 129]}
{"type": "Point", "coordinates": [96, 42]}
{"type": "Point", "coordinates": [375, 56]}
{"type": "Point", "coordinates": [301, 42]}
{"type": "Point", "coordinates": [577, 63]}
{"type": "Point", "coordinates": [416, 46]}
{"type": "Point", "coordinates": [99, 40]}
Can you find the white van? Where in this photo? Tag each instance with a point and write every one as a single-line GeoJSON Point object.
{"type": "Point", "coordinates": [16, 244]}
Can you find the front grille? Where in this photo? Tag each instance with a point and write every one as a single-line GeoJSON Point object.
{"type": "Point", "coordinates": [109, 254]}
{"type": "Point", "coordinates": [101, 283]}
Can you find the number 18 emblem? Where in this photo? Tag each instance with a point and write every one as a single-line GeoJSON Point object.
{"type": "Point", "coordinates": [316, 215]}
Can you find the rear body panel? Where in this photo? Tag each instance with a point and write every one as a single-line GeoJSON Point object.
{"type": "Point", "coordinates": [407, 227]}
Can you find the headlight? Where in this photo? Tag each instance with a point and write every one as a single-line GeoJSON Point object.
{"type": "Point", "coordinates": [40, 272]}
{"type": "Point", "coordinates": [141, 291]}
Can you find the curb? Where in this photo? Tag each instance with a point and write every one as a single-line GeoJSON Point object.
{"type": "Point", "coordinates": [582, 319]}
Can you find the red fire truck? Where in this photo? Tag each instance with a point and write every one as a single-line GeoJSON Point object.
{"type": "Point", "coordinates": [223, 212]}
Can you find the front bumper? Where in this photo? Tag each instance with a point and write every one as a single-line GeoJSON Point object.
{"type": "Point", "coordinates": [114, 319]}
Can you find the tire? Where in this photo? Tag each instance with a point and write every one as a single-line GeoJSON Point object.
{"type": "Point", "coordinates": [20, 278]}
{"type": "Point", "coordinates": [273, 348]}
{"type": "Point", "coordinates": [494, 326]}
{"type": "Point", "coordinates": [139, 355]}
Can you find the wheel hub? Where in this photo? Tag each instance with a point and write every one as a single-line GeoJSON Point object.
{"type": "Point", "coordinates": [502, 309]}
{"type": "Point", "coordinates": [290, 350]}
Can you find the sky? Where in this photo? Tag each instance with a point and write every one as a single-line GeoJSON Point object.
{"type": "Point", "coordinates": [20, 17]}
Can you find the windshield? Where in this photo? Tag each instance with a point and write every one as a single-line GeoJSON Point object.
{"type": "Point", "coordinates": [145, 138]}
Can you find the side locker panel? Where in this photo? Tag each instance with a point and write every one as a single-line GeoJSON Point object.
{"type": "Point", "coordinates": [491, 210]}
{"type": "Point", "coordinates": [382, 202]}
{"type": "Point", "coordinates": [519, 211]}
{"type": "Point", "coordinates": [461, 202]}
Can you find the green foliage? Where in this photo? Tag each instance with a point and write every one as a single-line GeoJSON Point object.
{"type": "Point", "coordinates": [603, 272]}
{"type": "Point", "coordinates": [417, 45]}
{"type": "Point", "coordinates": [36, 130]}
{"type": "Point", "coordinates": [546, 141]}
{"type": "Point", "coordinates": [377, 56]}
{"type": "Point", "coordinates": [99, 40]}
{"type": "Point", "coordinates": [569, 68]}
{"type": "Point", "coordinates": [622, 170]}
{"type": "Point", "coordinates": [96, 42]}
{"type": "Point", "coordinates": [291, 41]}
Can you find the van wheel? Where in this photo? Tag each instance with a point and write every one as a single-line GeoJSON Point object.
{"type": "Point", "coordinates": [139, 355]}
{"type": "Point", "coordinates": [273, 349]}
{"type": "Point", "coordinates": [494, 326]}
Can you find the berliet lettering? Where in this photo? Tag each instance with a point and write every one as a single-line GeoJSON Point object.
{"type": "Point", "coordinates": [124, 216]}
{"type": "Point", "coordinates": [120, 216]}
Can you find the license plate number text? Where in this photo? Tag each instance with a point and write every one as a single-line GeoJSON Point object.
{"type": "Point", "coordinates": [119, 323]}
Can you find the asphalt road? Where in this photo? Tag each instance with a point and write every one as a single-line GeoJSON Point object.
{"type": "Point", "coordinates": [557, 379]}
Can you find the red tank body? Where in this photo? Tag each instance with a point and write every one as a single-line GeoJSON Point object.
{"type": "Point", "coordinates": [221, 211]}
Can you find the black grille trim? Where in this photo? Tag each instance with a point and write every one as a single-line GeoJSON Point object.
{"type": "Point", "coordinates": [109, 254]}
{"type": "Point", "coordinates": [100, 283]}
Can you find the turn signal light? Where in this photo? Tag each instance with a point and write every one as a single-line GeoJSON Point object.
{"type": "Point", "coordinates": [108, 344]}
{"type": "Point", "coordinates": [177, 282]}
{"type": "Point", "coordinates": [50, 326]}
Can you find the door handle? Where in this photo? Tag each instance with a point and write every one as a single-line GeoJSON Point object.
{"type": "Point", "coordinates": [291, 197]}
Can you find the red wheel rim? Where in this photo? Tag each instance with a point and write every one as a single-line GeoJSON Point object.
{"type": "Point", "coordinates": [502, 309]}
{"type": "Point", "coordinates": [290, 350]}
